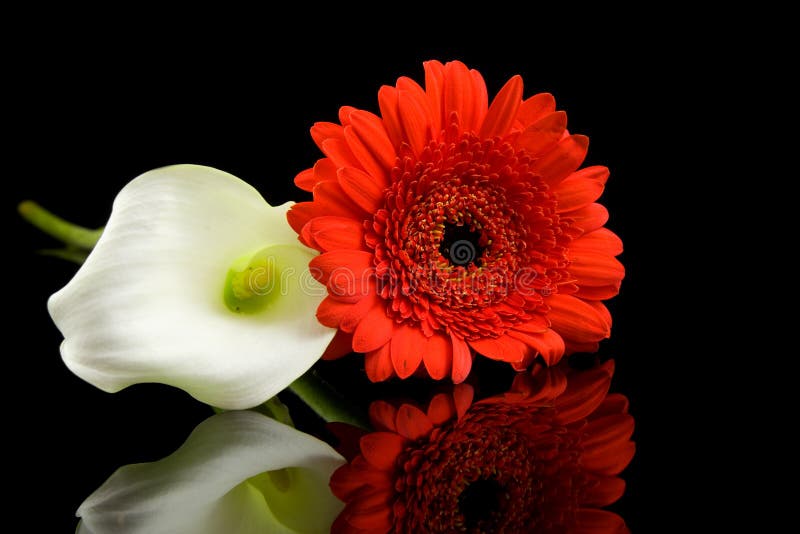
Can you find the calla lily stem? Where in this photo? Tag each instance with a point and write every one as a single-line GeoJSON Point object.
{"type": "Point", "coordinates": [53, 225]}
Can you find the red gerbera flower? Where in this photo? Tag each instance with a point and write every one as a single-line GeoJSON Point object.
{"type": "Point", "coordinates": [540, 459]}
{"type": "Point", "coordinates": [449, 226]}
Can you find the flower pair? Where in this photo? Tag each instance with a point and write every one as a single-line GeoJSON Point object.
{"type": "Point", "coordinates": [448, 227]}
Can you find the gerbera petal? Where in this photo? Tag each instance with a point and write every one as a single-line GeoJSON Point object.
{"type": "Point", "coordinates": [590, 521]}
{"type": "Point", "coordinates": [462, 359]}
{"type": "Point", "coordinates": [378, 364]}
{"type": "Point", "coordinates": [549, 344]}
{"type": "Point", "coordinates": [207, 482]}
{"type": "Point", "coordinates": [585, 392]}
{"type": "Point", "coordinates": [595, 172]}
{"type": "Point", "coordinates": [543, 134]}
{"type": "Point", "coordinates": [438, 356]}
{"type": "Point", "coordinates": [434, 88]}
{"type": "Point", "coordinates": [602, 310]}
{"type": "Point", "coordinates": [361, 188]}
{"type": "Point", "coordinates": [381, 449]}
{"type": "Point", "coordinates": [370, 512]}
{"type": "Point", "coordinates": [415, 112]}
{"type": "Point", "coordinates": [587, 347]}
{"type": "Point", "coordinates": [596, 269]}
{"type": "Point", "coordinates": [359, 146]}
{"type": "Point", "coordinates": [416, 121]}
{"type": "Point", "coordinates": [598, 292]}
{"type": "Point", "coordinates": [589, 218]}
{"type": "Point", "coordinates": [503, 348]}
{"type": "Point", "coordinates": [562, 161]}
{"type": "Point", "coordinates": [300, 214]}
{"type": "Point", "coordinates": [148, 306]}
{"type": "Point", "coordinates": [458, 94]}
{"type": "Point", "coordinates": [373, 331]}
{"type": "Point", "coordinates": [383, 416]}
{"type": "Point", "coordinates": [542, 385]}
{"type": "Point", "coordinates": [345, 114]}
{"type": "Point", "coordinates": [340, 345]}
{"type": "Point", "coordinates": [372, 133]}
{"type": "Point", "coordinates": [340, 153]}
{"type": "Point", "coordinates": [607, 434]}
{"type": "Point", "coordinates": [407, 346]}
{"type": "Point", "coordinates": [352, 478]}
{"type": "Point", "coordinates": [614, 403]}
{"type": "Point", "coordinates": [606, 490]}
{"type": "Point", "coordinates": [601, 240]}
{"type": "Point", "coordinates": [503, 110]}
{"type": "Point", "coordinates": [480, 99]}
{"type": "Point", "coordinates": [612, 461]}
{"type": "Point", "coordinates": [305, 180]}
{"type": "Point", "coordinates": [441, 409]}
{"type": "Point", "coordinates": [346, 482]}
{"type": "Point", "coordinates": [388, 103]}
{"type": "Point", "coordinates": [581, 189]}
{"type": "Point", "coordinates": [534, 108]}
{"type": "Point", "coordinates": [537, 325]}
{"type": "Point", "coordinates": [325, 170]}
{"type": "Point", "coordinates": [331, 232]}
{"type": "Point", "coordinates": [462, 398]}
{"type": "Point", "coordinates": [331, 199]}
{"type": "Point", "coordinates": [341, 526]}
{"type": "Point", "coordinates": [335, 313]}
{"type": "Point", "coordinates": [354, 263]}
{"type": "Point", "coordinates": [322, 131]}
{"type": "Point", "coordinates": [412, 422]}
{"type": "Point", "coordinates": [577, 320]}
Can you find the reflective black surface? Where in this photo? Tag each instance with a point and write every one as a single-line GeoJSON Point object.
{"type": "Point", "coordinates": [84, 124]}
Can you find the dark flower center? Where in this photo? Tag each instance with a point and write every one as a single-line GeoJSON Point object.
{"type": "Point", "coordinates": [478, 500]}
{"type": "Point", "coordinates": [500, 468]}
{"type": "Point", "coordinates": [460, 245]}
{"type": "Point", "coordinates": [468, 241]}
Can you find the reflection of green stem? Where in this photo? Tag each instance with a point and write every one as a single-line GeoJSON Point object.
{"type": "Point", "coordinates": [70, 234]}
{"type": "Point", "coordinates": [277, 410]}
{"type": "Point", "coordinates": [327, 402]}
{"type": "Point", "coordinates": [272, 408]}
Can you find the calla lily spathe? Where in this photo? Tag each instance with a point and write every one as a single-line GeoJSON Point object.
{"type": "Point", "coordinates": [152, 302]}
{"type": "Point", "coordinates": [238, 472]}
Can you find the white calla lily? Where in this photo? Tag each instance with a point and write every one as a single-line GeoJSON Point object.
{"type": "Point", "coordinates": [239, 472]}
{"type": "Point", "coordinates": [198, 283]}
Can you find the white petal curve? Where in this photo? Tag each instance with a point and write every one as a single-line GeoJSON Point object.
{"type": "Point", "coordinates": [147, 305]}
{"type": "Point", "coordinates": [202, 487]}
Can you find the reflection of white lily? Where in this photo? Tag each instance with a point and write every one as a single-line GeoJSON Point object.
{"type": "Point", "coordinates": [198, 283]}
{"type": "Point", "coordinates": [239, 472]}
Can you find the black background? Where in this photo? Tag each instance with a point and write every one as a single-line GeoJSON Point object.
{"type": "Point", "coordinates": [93, 110]}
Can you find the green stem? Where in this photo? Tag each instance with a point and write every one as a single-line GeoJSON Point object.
{"type": "Point", "coordinates": [75, 255]}
{"type": "Point", "coordinates": [55, 226]}
{"type": "Point", "coordinates": [327, 402]}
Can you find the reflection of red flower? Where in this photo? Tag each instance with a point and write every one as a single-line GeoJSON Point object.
{"type": "Point", "coordinates": [541, 458]}
{"type": "Point", "coordinates": [449, 226]}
